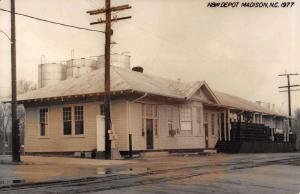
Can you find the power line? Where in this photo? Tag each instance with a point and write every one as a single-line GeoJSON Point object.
{"type": "Point", "coordinates": [289, 86]}
{"type": "Point", "coordinates": [52, 22]}
{"type": "Point", "coordinates": [108, 33]}
{"type": "Point", "coordinates": [7, 36]}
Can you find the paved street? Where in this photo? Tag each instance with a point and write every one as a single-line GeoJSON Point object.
{"type": "Point", "coordinates": [238, 173]}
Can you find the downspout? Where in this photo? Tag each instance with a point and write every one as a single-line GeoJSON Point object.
{"type": "Point", "coordinates": [128, 122]}
{"type": "Point", "coordinates": [139, 98]}
{"type": "Point", "coordinates": [129, 130]}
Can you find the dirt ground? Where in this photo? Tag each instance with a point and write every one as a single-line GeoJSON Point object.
{"type": "Point", "coordinates": [218, 173]}
{"type": "Point", "coordinates": [41, 168]}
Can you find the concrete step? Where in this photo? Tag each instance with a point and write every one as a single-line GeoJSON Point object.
{"type": "Point", "coordinates": [189, 154]}
{"type": "Point", "coordinates": [210, 151]}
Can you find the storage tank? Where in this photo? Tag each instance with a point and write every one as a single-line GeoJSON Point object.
{"type": "Point", "coordinates": [51, 73]}
{"type": "Point", "coordinates": [119, 60]}
{"type": "Point", "coordinates": [78, 67]}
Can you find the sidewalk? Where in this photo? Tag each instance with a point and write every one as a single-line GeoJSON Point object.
{"type": "Point", "coordinates": [8, 173]}
{"type": "Point", "coordinates": [7, 159]}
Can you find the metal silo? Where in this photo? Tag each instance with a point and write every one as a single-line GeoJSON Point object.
{"type": "Point", "coordinates": [51, 73]}
{"type": "Point", "coordinates": [78, 67]}
{"type": "Point", "coordinates": [119, 60]}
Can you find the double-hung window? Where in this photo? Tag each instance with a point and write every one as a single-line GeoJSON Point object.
{"type": "Point", "coordinates": [43, 121]}
{"type": "Point", "coordinates": [205, 117]}
{"type": "Point", "coordinates": [186, 118]}
{"type": "Point", "coordinates": [79, 130]}
{"type": "Point", "coordinates": [102, 109]}
{"type": "Point", "coordinates": [67, 119]}
{"type": "Point", "coordinates": [170, 119]}
{"type": "Point", "coordinates": [155, 119]}
{"type": "Point", "coordinates": [73, 120]}
{"type": "Point", "coordinates": [213, 124]}
{"type": "Point", "coordinates": [199, 119]}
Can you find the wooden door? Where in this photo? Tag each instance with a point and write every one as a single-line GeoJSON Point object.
{"type": "Point", "coordinates": [222, 127]}
{"type": "Point", "coordinates": [206, 134]}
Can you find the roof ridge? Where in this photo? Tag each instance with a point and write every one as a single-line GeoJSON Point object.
{"type": "Point", "coordinates": [259, 107]}
{"type": "Point", "coordinates": [124, 80]}
{"type": "Point", "coordinates": [150, 77]}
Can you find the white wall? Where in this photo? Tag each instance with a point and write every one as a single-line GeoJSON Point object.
{"type": "Point", "coordinates": [55, 141]}
{"type": "Point", "coordinates": [126, 118]}
{"type": "Point", "coordinates": [184, 140]}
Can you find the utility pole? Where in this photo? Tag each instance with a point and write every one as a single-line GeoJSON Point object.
{"type": "Point", "coordinates": [14, 121]}
{"type": "Point", "coordinates": [289, 86]}
{"type": "Point", "coordinates": [108, 33]}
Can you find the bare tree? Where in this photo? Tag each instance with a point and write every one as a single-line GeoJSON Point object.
{"type": "Point", "coordinates": [5, 118]}
{"type": "Point", "coordinates": [5, 126]}
{"type": "Point", "coordinates": [25, 86]}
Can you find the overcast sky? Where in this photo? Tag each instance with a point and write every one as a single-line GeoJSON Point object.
{"type": "Point", "coordinates": [238, 51]}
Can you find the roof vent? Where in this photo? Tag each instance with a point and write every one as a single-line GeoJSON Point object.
{"type": "Point", "coordinates": [138, 69]}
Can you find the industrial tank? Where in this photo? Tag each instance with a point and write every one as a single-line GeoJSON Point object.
{"type": "Point", "coordinates": [78, 67]}
{"type": "Point", "coordinates": [51, 73]}
{"type": "Point", "coordinates": [119, 60]}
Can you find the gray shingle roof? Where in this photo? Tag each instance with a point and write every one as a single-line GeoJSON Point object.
{"type": "Point", "coordinates": [243, 104]}
{"type": "Point", "coordinates": [126, 79]}
{"type": "Point", "coordinates": [121, 79]}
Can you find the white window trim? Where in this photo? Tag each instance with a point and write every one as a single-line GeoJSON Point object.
{"type": "Point", "coordinates": [83, 117]}
{"type": "Point", "coordinates": [171, 122]}
{"type": "Point", "coordinates": [191, 119]}
{"type": "Point", "coordinates": [199, 119]}
{"type": "Point", "coordinates": [73, 135]}
{"type": "Point", "coordinates": [154, 117]}
{"type": "Point", "coordinates": [101, 104]}
{"type": "Point", "coordinates": [212, 119]}
{"type": "Point", "coordinates": [47, 129]}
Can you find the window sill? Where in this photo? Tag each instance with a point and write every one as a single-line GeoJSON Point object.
{"type": "Point", "coordinates": [79, 136]}
{"type": "Point", "coordinates": [42, 137]}
{"type": "Point", "coordinates": [73, 136]}
{"type": "Point", "coordinates": [187, 135]}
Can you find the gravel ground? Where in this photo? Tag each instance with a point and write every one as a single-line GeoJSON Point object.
{"type": "Point", "coordinates": [219, 173]}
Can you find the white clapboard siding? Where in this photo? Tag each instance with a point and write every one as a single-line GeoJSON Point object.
{"type": "Point", "coordinates": [55, 141]}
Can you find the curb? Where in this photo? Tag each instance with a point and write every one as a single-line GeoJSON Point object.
{"type": "Point", "coordinates": [22, 184]}
{"type": "Point", "coordinates": [15, 163]}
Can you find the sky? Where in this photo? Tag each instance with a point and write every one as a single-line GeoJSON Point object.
{"type": "Point", "coordinates": [238, 51]}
